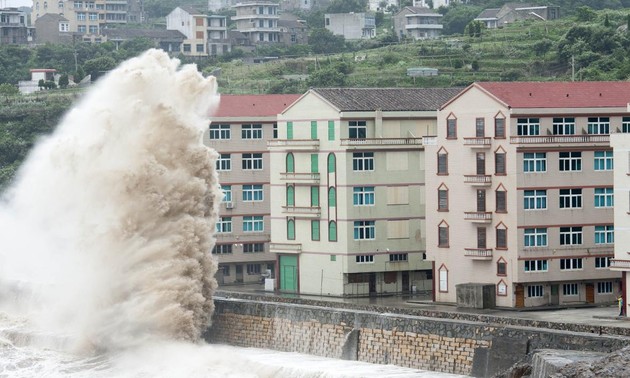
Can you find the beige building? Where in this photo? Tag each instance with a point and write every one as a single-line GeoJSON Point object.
{"type": "Point", "coordinates": [347, 191]}
{"type": "Point", "coordinates": [520, 182]}
{"type": "Point", "coordinates": [620, 143]}
{"type": "Point", "coordinates": [258, 20]}
{"type": "Point", "coordinates": [239, 131]}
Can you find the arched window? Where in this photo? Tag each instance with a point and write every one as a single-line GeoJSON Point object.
{"type": "Point", "coordinates": [331, 163]}
{"type": "Point", "coordinates": [291, 229]}
{"type": "Point", "coordinates": [332, 231]}
{"type": "Point", "coordinates": [290, 195]}
{"type": "Point", "coordinates": [290, 163]}
{"type": "Point", "coordinates": [332, 197]}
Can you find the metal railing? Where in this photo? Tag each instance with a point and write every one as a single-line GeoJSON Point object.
{"type": "Point", "coordinates": [552, 139]}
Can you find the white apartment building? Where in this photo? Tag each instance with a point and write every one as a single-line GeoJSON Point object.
{"type": "Point", "coordinates": [347, 191]}
{"type": "Point", "coordinates": [258, 20]}
{"type": "Point", "coordinates": [521, 182]}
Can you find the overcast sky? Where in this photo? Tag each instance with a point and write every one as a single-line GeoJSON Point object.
{"type": "Point", "coordinates": [15, 3]}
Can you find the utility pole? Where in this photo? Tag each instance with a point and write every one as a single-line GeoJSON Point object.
{"type": "Point", "coordinates": [572, 68]}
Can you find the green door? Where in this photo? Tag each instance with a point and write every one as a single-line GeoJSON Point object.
{"type": "Point", "coordinates": [288, 273]}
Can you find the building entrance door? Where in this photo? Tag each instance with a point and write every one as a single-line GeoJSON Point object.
{"type": "Point", "coordinates": [554, 299]}
{"type": "Point", "coordinates": [372, 283]}
{"type": "Point", "coordinates": [288, 273]}
{"type": "Point", "coordinates": [590, 293]}
{"type": "Point", "coordinates": [405, 282]}
{"type": "Point", "coordinates": [520, 296]}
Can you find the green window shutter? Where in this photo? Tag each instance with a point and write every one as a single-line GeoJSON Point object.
{"type": "Point", "coordinates": [314, 163]}
{"type": "Point", "coordinates": [290, 163]}
{"type": "Point", "coordinates": [290, 229]}
{"type": "Point", "coordinates": [289, 130]}
{"type": "Point", "coordinates": [332, 162]}
{"type": "Point", "coordinates": [313, 129]}
{"type": "Point", "coordinates": [332, 197]}
{"type": "Point", "coordinates": [315, 230]}
{"type": "Point", "coordinates": [290, 196]}
{"type": "Point", "coordinates": [331, 130]}
{"type": "Point", "coordinates": [332, 231]}
{"type": "Point", "coordinates": [315, 196]}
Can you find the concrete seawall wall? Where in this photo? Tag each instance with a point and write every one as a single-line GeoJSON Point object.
{"type": "Point", "coordinates": [386, 336]}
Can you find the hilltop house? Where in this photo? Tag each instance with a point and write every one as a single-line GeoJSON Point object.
{"type": "Point", "coordinates": [417, 23]}
{"type": "Point", "coordinates": [510, 12]}
{"type": "Point", "coordinates": [351, 25]}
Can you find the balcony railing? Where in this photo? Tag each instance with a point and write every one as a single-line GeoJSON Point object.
{"type": "Point", "coordinates": [429, 141]}
{"type": "Point", "coordinates": [478, 216]}
{"type": "Point", "coordinates": [382, 142]}
{"type": "Point", "coordinates": [293, 176]}
{"type": "Point", "coordinates": [482, 142]}
{"type": "Point", "coordinates": [620, 264]}
{"type": "Point", "coordinates": [478, 179]}
{"type": "Point", "coordinates": [478, 253]}
{"type": "Point", "coordinates": [294, 143]}
{"type": "Point", "coordinates": [306, 211]}
{"type": "Point", "coordinates": [555, 139]}
{"type": "Point", "coordinates": [285, 247]}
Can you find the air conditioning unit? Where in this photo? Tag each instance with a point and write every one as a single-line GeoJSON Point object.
{"type": "Point", "coordinates": [229, 205]}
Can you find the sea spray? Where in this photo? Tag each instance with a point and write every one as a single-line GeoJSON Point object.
{"type": "Point", "coordinates": [110, 221]}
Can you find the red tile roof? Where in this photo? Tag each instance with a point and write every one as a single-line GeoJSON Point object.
{"type": "Point", "coordinates": [253, 105]}
{"type": "Point", "coordinates": [582, 94]}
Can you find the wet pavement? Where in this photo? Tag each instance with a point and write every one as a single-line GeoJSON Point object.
{"type": "Point", "coordinates": [601, 315]}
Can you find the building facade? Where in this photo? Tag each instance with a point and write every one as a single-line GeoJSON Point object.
{"type": "Point", "coordinates": [417, 23]}
{"type": "Point", "coordinates": [347, 191]}
{"type": "Point", "coordinates": [521, 177]}
{"type": "Point", "coordinates": [258, 20]}
{"type": "Point", "coordinates": [351, 25]}
{"type": "Point", "coordinates": [239, 131]}
{"type": "Point", "coordinates": [193, 24]}
{"type": "Point", "coordinates": [14, 29]}
{"type": "Point", "coordinates": [218, 41]}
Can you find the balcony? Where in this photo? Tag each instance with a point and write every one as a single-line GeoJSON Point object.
{"type": "Point", "coordinates": [478, 180]}
{"type": "Point", "coordinates": [302, 211]}
{"type": "Point", "coordinates": [382, 142]}
{"type": "Point", "coordinates": [478, 216]}
{"type": "Point", "coordinates": [294, 144]}
{"type": "Point", "coordinates": [616, 264]}
{"type": "Point", "coordinates": [424, 26]}
{"type": "Point", "coordinates": [285, 247]}
{"type": "Point", "coordinates": [480, 142]}
{"type": "Point", "coordinates": [307, 178]}
{"type": "Point", "coordinates": [560, 139]}
{"type": "Point", "coordinates": [484, 254]}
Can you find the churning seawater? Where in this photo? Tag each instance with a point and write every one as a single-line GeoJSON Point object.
{"type": "Point", "coordinates": [105, 235]}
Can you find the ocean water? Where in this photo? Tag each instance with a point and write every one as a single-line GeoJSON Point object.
{"type": "Point", "coordinates": [105, 235]}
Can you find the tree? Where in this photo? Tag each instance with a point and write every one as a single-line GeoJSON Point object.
{"type": "Point", "coordinates": [98, 66]}
{"type": "Point", "coordinates": [8, 90]}
{"type": "Point", "coordinates": [475, 65]}
{"type": "Point", "coordinates": [457, 17]}
{"type": "Point", "coordinates": [324, 41]}
{"type": "Point", "coordinates": [585, 13]}
{"type": "Point", "coordinates": [347, 6]}
{"type": "Point", "coordinates": [542, 47]}
{"type": "Point", "coordinates": [63, 81]}
{"type": "Point", "coordinates": [606, 22]}
{"type": "Point", "coordinates": [327, 77]}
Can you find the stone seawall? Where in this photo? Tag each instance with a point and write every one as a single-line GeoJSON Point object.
{"type": "Point", "coordinates": [392, 336]}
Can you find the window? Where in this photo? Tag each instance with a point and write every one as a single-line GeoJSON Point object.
{"type": "Point", "coordinates": [93, 29]}
{"type": "Point", "coordinates": [364, 259]}
{"type": "Point", "coordinates": [314, 196]}
{"type": "Point", "coordinates": [501, 268]}
{"type": "Point", "coordinates": [535, 162]}
{"type": "Point", "coordinates": [570, 161]}
{"type": "Point", "coordinates": [442, 199]}
{"type": "Point", "coordinates": [535, 237]}
{"type": "Point", "coordinates": [394, 257]}
{"type": "Point", "coordinates": [570, 289]}
{"type": "Point", "coordinates": [602, 262]}
{"type": "Point", "coordinates": [451, 128]}
{"type": "Point", "coordinates": [252, 193]}
{"type": "Point", "coordinates": [598, 125]}
{"type": "Point", "coordinates": [81, 16]}
{"type": "Point", "coordinates": [570, 235]}
{"type": "Point", "coordinates": [93, 16]}
{"type": "Point", "coordinates": [605, 234]}
{"type": "Point", "coordinates": [251, 131]}
{"type": "Point", "coordinates": [535, 265]}
{"type": "Point", "coordinates": [313, 130]}
{"type": "Point", "coordinates": [443, 279]}
{"type": "Point", "coordinates": [499, 128]}
{"type": "Point", "coordinates": [481, 238]}
{"type": "Point", "coordinates": [363, 195]}
{"type": "Point", "coordinates": [363, 230]}
{"type": "Point", "coordinates": [535, 291]}
{"type": "Point", "coordinates": [331, 130]}
{"type": "Point", "coordinates": [290, 229]}
{"type": "Point", "coordinates": [480, 160]}
{"type": "Point", "coordinates": [563, 126]}
{"type": "Point", "coordinates": [224, 162]}
{"type": "Point", "coordinates": [253, 269]}
{"type": "Point", "coordinates": [332, 231]}
{"type": "Point", "coordinates": [64, 27]}
{"type": "Point", "coordinates": [363, 161]}
{"type": "Point", "coordinates": [314, 163]}
{"type": "Point", "coordinates": [442, 159]}
{"type": "Point", "coordinates": [332, 197]}
{"type": "Point", "coordinates": [275, 131]}
{"type": "Point", "coordinates": [570, 264]}
{"type": "Point", "coordinates": [222, 249]}
{"type": "Point", "coordinates": [625, 125]}
{"type": "Point", "coordinates": [332, 163]}
{"type": "Point", "coordinates": [290, 195]}
{"type": "Point", "coordinates": [290, 163]}
{"type": "Point", "coordinates": [289, 130]}
{"type": "Point", "coordinates": [443, 235]}
{"type": "Point", "coordinates": [570, 198]}
{"type": "Point", "coordinates": [528, 126]}
{"type": "Point", "coordinates": [252, 161]}
{"type": "Point", "coordinates": [501, 201]}
{"type": "Point", "coordinates": [501, 236]}
{"type": "Point", "coordinates": [605, 287]}
{"type": "Point", "coordinates": [227, 193]}
{"type": "Point", "coordinates": [357, 130]}
{"type": "Point", "coordinates": [535, 199]}
{"type": "Point", "coordinates": [499, 163]}
{"type": "Point", "coordinates": [253, 224]}
{"type": "Point", "coordinates": [314, 230]}
{"type": "Point", "coordinates": [253, 248]}
{"type": "Point", "coordinates": [604, 197]}
{"type": "Point", "coordinates": [480, 127]}
{"type": "Point", "coordinates": [199, 47]}
{"type": "Point", "coordinates": [603, 161]}
{"type": "Point", "coordinates": [81, 28]}
{"type": "Point", "coordinates": [186, 47]}
{"type": "Point", "coordinates": [224, 225]}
